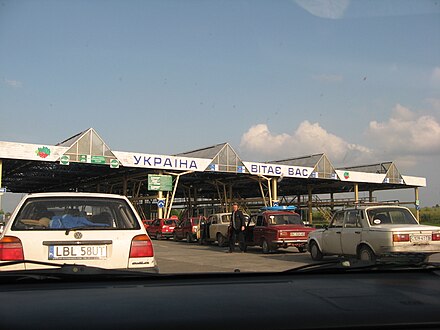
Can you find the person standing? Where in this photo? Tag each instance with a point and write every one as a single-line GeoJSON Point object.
{"type": "Point", "coordinates": [236, 229]}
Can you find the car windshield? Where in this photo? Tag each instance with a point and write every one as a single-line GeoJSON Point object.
{"type": "Point", "coordinates": [285, 219]}
{"type": "Point", "coordinates": [66, 213]}
{"type": "Point", "coordinates": [391, 216]}
{"type": "Point", "coordinates": [319, 114]}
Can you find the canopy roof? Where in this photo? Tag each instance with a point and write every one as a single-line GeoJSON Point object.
{"type": "Point", "coordinates": [85, 162]}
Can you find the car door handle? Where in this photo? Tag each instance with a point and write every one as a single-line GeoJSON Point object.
{"type": "Point", "coordinates": [357, 232]}
{"type": "Point", "coordinates": [338, 232]}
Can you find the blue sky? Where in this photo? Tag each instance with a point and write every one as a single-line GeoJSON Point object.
{"type": "Point", "coordinates": [359, 80]}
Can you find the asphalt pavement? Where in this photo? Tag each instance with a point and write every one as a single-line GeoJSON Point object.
{"type": "Point", "coordinates": [182, 257]}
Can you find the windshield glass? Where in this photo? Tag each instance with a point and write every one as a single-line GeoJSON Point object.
{"type": "Point", "coordinates": [390, 216]}
{"type": "Point", "coordinates": [327, 111]}
{"type": "Point", "coordinates": [65, 213]}
{"type": "Point", "coordinates": [285, 219]}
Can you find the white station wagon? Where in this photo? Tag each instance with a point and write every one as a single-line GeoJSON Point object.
{"type": "Point", "coordinates": [99, 230]}
{"type": "Point", "coordinates": [370, 232]}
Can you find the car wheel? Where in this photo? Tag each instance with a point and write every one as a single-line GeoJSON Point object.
{"type": "Point", "coordinates": [158, 235]}
{"type": "Point", "coordinates": [175, 238]}
{"type": "Point", "coordinates": [366, 254]}
{"type": "Point", "coordinates": [301, 249]}
{"type": "Point", "coordinates": [315, 252]}
{"type": "Point", "coordinates": [221, 240]}
{"type": "Point", "coordinates": [266, 247]}
{"type": "Point", "coordinates": [188, 238]}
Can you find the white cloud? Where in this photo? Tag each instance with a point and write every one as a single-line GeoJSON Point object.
{"type": "Point", "coordinates": [260, 142]}
{"type": "Point", "coordinates": [406, 134]}
{"type": "Point", "coordinates": [13, 83]}
{"type": "Point", "coordinates": [333, 9]}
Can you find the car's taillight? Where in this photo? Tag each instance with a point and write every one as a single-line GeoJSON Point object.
{"type": "Point", "coordinates": [141, 247]}
{"type": "Point", "coordinates": [400, 237]}
{"type": "Point", "coordinates": [436, 236]}
{"type": "Point", "coordinates": [11, 249]}
{"type": "Point", "coordinates": [283, 233]}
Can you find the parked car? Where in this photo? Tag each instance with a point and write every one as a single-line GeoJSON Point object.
{"type": "Point", "coordinates": [147, 223]}
{"type": "Point", "coordinates": [100, 230]}
{"type": "Point", "coordinates": [187, 229]}
{"type": "Point", "coordinates": [371, 232]}
{"type": "Point", "coordinates": [278, 227]}
{"type": "Point", "coordinates": [215, 229]}
{"type": "Point", "coordinates": [162, 228]}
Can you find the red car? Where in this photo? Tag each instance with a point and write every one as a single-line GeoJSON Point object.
{"type": "Point", "coordinates": [278, 227]}
{"type": "Point", "coordinates": [147, 223]}
{"type": "Point", "coordinates": [162, 228]}
{"type": "Point", "coordinates": [187, 229]}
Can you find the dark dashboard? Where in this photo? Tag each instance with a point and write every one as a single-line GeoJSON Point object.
{"type": "Point", "coordinates": [362, 300]}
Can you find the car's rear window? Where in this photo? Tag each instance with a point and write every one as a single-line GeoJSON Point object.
{"type": "Point", "coordinates": [169, 222]}
{"type": "Point", "coordinates": [226, 218]}
{"type": "Point", "coordinates": [60, 213]}
{"type": "Point", "coordinates": [395, 216]}
{"type": "Point", "coordinates": [285, 219]}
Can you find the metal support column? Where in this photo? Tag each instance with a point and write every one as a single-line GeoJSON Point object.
{"type": "Point", "coordinates": [370, 195]}
{"type": "Point", "coordinates": [274, 191]}
{"type": "Point", "coordinates": [309, 205]}
{"type": "Point", "coordinates": [417, 203]}
{"type": "Point", "coordinates": [160, 210]}
{"type": "Point", "coordinates": [356, 193]}
{"type": "Point", "coordinates": [332, 201]}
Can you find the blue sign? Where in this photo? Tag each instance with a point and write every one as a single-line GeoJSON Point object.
{"type": "Point", "coordinates": [161, 203]}
{"type": "Point", "coordinates": [279, 208]}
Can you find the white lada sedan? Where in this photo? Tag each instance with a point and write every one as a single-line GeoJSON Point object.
{"type": "Point", "coordinates": [99, 230]}
{"type": "Point", "coordinates": [371, 232]}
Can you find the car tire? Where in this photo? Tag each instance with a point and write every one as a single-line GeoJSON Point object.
{"type": "Point", "coordinates": [158, 235]}
{"type": "Point", "coordinates": [366, 254]}
{"type": "Point", "coordinates": [221, 240]}
{"type": "Point", "coordinates": [188, 238]}
{"type": "Point", "coordinates": [301, 249]}
{"type": "Point", "coordinates": [266, 247]}
{"type": "Point", "coordinates": [315, 252]}
{"type": "Point", "coordinates": [175, 238]}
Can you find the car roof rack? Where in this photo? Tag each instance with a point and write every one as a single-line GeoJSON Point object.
{"type": "Point", "coordinates": [365, 203]}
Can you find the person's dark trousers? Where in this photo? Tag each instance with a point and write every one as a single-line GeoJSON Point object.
{"type": "Point", "coordinates": [242, 241]}
{"type": "Point", "coordinates": [232, 239]}
{"type": "Point", "coordinates": [237, 235]}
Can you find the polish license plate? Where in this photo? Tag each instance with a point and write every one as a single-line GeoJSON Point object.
{"type": "Point", "coordinates": [297, 233]}
{"type": "Point", "coordinates": [420, 239]}
{"type": "Point", "coordinates": [73, 252]}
